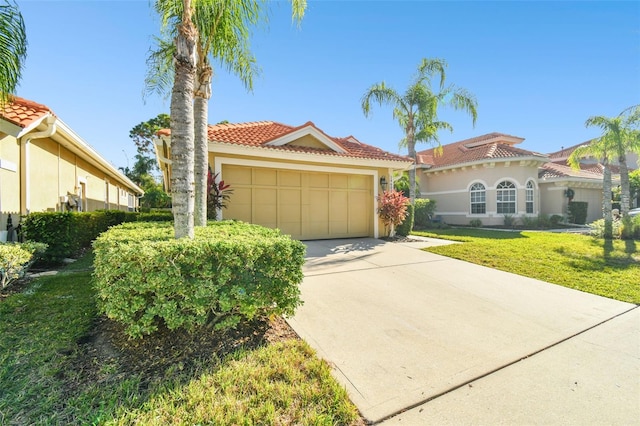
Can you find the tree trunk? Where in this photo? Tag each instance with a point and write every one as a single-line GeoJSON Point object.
{"type": "Point", "coordinates": [606, 201]}
{"type": "Point", "coordinates": [411, 147]}
{"type": "Point", "coordinates": [201, 167]}
{"type": "Point", "coordinates": [182, 133]}
{"type": "Point", "coordinates": [625, 187]}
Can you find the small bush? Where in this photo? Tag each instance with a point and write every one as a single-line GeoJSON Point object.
{"type": "Point", "coordinates": [578, 212]}
{"type": "Point", "coordinates": [597, 229]}
{"type": "Point", "coordinates": [476, 223]}
{"type": "Point", "coordinates": [231, 271]}
{"type": "Point", "coordinates": [510, 220]}
{"type": "Point", "coordinates": [392, 209]}
{"type": "Point", "coordinates": [529, 222]}
{"type": "Point", "coordinates": [555, 220]}
{"type": "Point", "coordinates": [631, 228]}
{"type": "Point", "coordinates": [406, 226]}
{"type": "Point", "coordinates": [16, 258]}
{"type": "Point", "coordinates": [423, 211]}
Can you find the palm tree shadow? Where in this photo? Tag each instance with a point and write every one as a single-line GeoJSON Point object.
{"type": "Point", "coordinates": [608, 248]}
{"type": "Point", "coordinates": [630, 247]}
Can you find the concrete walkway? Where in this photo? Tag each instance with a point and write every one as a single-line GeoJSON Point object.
{"type": "Point", "coordinates": [418, 338]}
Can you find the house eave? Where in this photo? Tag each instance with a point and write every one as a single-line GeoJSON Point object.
{"type": "Point", "coordinates": [531, 161]}
{"type": "Point", "coordinates": [255, 151]}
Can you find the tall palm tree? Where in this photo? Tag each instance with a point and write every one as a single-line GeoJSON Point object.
{"type": "Point", "coordinates": [222, 27]}
{"type": "Point", "coordinates": [621, 132]}
{"type": "Point", "coordinates": [13, 48]}
{"type": "Point", "coordinates": [416, 110]}
{"type": "Point", "coordinates": [603, 149]}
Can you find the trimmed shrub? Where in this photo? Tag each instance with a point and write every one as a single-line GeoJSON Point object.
{"type": "Point", "coordinates": [555, 220]}
{"type": "Point", "coordinates": [476, 223]}
{"type": "Point", "coordinates": [578, 212]}
{"type": "Point", "coordinates": [406, 226]}
{"type": "Point", "coordinates": [16, 258]}
{"type": "Point", "coordinates": [424, 209]}
{"type": "Point", "coordinates": [230, 271]}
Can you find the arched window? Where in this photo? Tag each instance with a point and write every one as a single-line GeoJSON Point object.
{"type": "Point", "coordinates": [478, 199]}
{"type": "Point", "coordinates": [506, 197]}
{"type": "Point", "coordinates": [529, 196]}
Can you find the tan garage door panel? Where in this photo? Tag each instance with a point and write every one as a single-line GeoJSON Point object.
{"type": "Point", "coordinates": [306, 205]}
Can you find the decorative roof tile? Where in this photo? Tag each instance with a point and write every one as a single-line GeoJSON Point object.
{"type": "Point", "coordinates": [261, 133]}
{"type": "Point", "coordinates": [23, 112]}
{"type": "Point", "coordinates": [485, 147]}
{"type": "Point", "coordinates": [557, 170]}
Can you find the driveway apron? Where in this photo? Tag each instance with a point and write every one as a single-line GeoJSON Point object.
{"type": "Point", "coordinates": [403, 327]}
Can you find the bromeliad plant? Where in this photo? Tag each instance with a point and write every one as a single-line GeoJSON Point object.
{"type": "Point", "coordinates": [218, 194]}
{"type": "Point", "coordinates": [392, 209]}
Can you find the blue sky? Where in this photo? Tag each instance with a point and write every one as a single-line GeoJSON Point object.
{"type": "Point", "coordinates": [537, 69]}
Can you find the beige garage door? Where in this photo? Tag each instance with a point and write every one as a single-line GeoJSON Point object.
{"type": "Point", "coordinates": [305, 205]}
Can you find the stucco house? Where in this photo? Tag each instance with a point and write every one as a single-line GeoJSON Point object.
{"type": "Point", "coordinates": [299, 179]}
{"type": "Point", "coordinates": [488, 177]}
{"type": "Point", "coordinates": [46, 166]}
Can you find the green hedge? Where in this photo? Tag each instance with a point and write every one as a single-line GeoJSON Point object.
{"type": "Point", "coordinates": [231, 271]}
{"type": "Point", "coordinates": [424, 209]}
{"type": "Point", "coordinates": [578, 212]}
{"type": "Point", "coordinates": [65, 233]}
{"type": "Point", "coordinates": [406, 226]}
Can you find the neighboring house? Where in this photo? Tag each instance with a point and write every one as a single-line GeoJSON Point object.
{"type": "Point", "coordinates": [488, 178]}
{"type": "Point", "coordinates": [46, 166]}
{"type": "Point", "coordinates": [298, 179]}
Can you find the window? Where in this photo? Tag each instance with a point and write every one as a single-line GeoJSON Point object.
{"type": "Point", "coordinates": [478, 199]}
{"type": "Point", "coordinates": [529, 197]}
{"type": "Point", "coordinates": [506, 197]}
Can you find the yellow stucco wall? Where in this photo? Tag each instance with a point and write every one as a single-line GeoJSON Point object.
{"type": "Point", "coordinates": [53, 171]}
{"type": "Point", "coordinates": [9, 179]}
{"type": "Point", "coordinates": [554, 201]}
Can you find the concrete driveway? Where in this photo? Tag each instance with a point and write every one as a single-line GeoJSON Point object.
{"type": "Point", "coordinates": [418, 338]}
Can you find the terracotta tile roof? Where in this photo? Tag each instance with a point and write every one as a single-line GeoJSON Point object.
{"type": "Point", "coordinates": [565, 152]}
{"type": "Point", "coordinates": [260, 133]}
{"type": "Point", "coordinates": [23, 112]}
{"type": "Point", "coordinates": [485, 147]}
{"type": "Point", "coordinates": [559, 170]}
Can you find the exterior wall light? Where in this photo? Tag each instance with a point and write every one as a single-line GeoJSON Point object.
{"type": "Point", "coordinates": [383, 183]}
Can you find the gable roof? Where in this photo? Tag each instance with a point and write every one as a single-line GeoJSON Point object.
{"type": "Point", "coordinates": [23, 112]}
{"type": "Point", "coordinates": [491, 146]}
{"type": "Point", "coordinates": [278, 136]}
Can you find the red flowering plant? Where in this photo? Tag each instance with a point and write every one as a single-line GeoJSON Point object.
{"type": "Point", "coordinates": [392, 209]}
{"type": "Point", "coordinates": [218, 194]}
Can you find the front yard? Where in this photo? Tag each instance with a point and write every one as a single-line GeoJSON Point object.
{"type": "Point", "coordinates": [60, 363]}
{"type": "Point", "coordinates": [610, 269]}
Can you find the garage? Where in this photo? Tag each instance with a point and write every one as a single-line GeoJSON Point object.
{"type": "Point", "coordinates": [305, 205]}
{"type": "Point", "coordinates": [298, 179]}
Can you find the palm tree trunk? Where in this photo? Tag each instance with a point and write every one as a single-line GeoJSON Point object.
{"type": "Point", "coordinates": [606, 201]}
{"type": "Point", "coordinates": [201, 167]}
{"type": "Point", "coordinates": [182, 133]}
{"type": "Point", "coordinates": [625, 187]}
{"type": "Point", "coordinates": [411, 147]}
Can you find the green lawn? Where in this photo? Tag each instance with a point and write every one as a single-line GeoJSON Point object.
{"type": "Point", "coordinates": [610, 269]}
{"type": "Point", "coordinates": [42, 382]}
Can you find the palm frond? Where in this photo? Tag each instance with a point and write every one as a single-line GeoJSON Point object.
{"type": "Point", "coordinates": [159, 78]}
{"type": "Point", "coordinates": [382, 95]}
{"type": "Point", "coordinates": [13, 48]}
{"type": "Point", "coordinates": [430, 67]}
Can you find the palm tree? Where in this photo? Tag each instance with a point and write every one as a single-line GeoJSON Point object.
{"type": "Point", "coordinates": [13, 48]}
{"type": "Point", "coordinates": [416, 110]}
{"type": "Point", "coordinates": [222, 28]}
{"type": "Point", "coordinates": [623, 137]}
{"type": "Point", "coordinates": [603, 149]}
